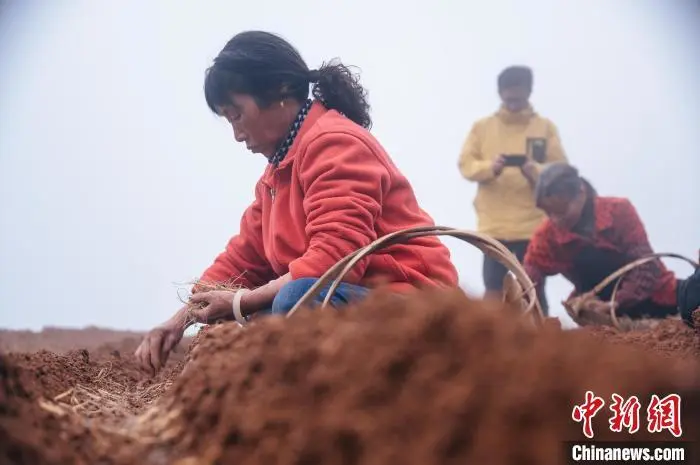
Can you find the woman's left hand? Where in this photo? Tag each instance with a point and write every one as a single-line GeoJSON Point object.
{"type": "Point", "coordinates": [216, 305]}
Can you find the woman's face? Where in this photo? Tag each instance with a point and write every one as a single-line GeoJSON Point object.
{"type": "Point", "coordinates": [261, 129]}
{"type": "Point", "coordinates": [564, 212]}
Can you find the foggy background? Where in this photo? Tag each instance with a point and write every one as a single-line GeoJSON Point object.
{"type": "Point", "coordinates": [116, 182]}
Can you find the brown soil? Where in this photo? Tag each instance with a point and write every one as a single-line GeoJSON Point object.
{"type": "Point", "coordinates": [435, 380]}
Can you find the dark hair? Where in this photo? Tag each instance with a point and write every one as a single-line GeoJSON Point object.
{"type": "Point", "coordinates": [562, 180]}
{"type": "Point", "coordinates": [268, 68]}
{"type": "Point", "coordinates": [515, 76]}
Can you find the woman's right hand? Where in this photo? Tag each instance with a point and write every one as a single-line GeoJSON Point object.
{"type": "Point", "coordinates": [154, 350]}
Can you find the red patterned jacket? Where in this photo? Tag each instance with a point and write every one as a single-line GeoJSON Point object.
{"type": "Point", "coordinates": [619, 234]}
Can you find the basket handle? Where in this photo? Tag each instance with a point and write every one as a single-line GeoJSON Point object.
{"type": "Point", "coordinates": [622, 271]}
{"type": "Point", "coordinates": [486, 244]}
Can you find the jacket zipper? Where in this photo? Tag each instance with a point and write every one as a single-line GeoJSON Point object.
{"type": "Point", "coordinates": [272, 186]}
{"type": "Point", "coordinates": [273, 183]}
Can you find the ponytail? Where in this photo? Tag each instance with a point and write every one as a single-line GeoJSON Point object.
{"type": "Point", "coordinates": [335, 85]}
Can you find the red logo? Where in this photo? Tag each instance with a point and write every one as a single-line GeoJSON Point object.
{"type": "Point", "coordinates": [662, 414]}
{"type": "Point", "coordinates": [586, 411]}
{"type": "Point", "coordinates": [665, 414]}
{"type": "Point", "coordinates": [625, 414]}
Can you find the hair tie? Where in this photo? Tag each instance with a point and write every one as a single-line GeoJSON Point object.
{"type": "Point", "coordinates": [314, 75]}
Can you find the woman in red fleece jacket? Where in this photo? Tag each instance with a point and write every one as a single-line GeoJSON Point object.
{"type": "Point", "coordinates": [328, 190]}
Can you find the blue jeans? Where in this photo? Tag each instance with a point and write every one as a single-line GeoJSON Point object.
{"type": "Point", "coordinates": [291, 292]}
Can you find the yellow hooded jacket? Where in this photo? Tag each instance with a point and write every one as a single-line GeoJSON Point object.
{"type": "Point", "coordinates": [505, 204]}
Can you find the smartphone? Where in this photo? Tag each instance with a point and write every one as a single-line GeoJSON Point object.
{"type": "Point", "coordinates": [515, 160]}
{"type": "Point", "coordinates": [537, 148]}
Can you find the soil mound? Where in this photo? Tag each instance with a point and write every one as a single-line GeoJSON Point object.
{"type": "Point", "coordinates": [69, 409]}
{"type": "Point", "coordinates": [29, 435]}
{"type": "Point", "coordinates": [671, 338]}
{"type": "Point", "coordinates": [437, 379]}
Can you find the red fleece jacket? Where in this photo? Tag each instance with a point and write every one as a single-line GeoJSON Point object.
{"type": "Point", "coordinates": [336, 191]}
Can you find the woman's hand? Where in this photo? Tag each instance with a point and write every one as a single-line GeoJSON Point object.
{"type": "Point", "coordinates": [154, 350]}
{"type": "Point", "coordinates": [215, 305]}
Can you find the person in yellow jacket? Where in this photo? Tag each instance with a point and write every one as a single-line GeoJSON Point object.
{"type": "Point", "coordinates": [503, 154]}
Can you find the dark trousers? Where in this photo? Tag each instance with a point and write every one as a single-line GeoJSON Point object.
{"type": "Point", "coordinates": [688, 295]}
{"type": "Point", "coordinates": [592, 265]}
{"type": "Point", "coordinates": [493, 272]}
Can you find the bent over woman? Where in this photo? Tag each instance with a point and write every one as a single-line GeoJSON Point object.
{"type": "Point", "coordinates": [586, 237]}
{"type": "Point", "coordinates": [329, 188]}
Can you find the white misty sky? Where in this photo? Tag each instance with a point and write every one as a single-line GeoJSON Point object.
{"type": "Point", "coordinates": [116, 182]}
